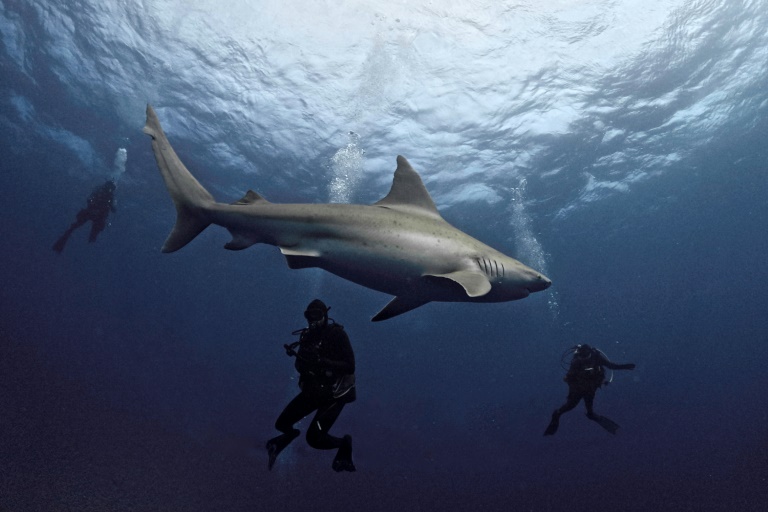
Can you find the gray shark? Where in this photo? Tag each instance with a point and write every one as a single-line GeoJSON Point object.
{"type": "Point", "coordinates": [399, 245]}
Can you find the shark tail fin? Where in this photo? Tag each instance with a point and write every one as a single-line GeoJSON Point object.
{"type": "Point", "coordinates": [191, 199]}
{"type": "Point", "coordinates": [187, 227]}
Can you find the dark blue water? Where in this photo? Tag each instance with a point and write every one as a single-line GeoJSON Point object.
{"type": "Point", "coordinates": [627, 160]}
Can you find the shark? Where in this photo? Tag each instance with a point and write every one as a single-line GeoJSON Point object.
{"type": "Point", "coordinates": [400, 245]}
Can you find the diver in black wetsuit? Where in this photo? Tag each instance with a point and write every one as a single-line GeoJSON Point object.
{"type": "Point", "coordinates": [326, 366]}
{"type": "Point", "coordinates": [100, 203]}
{"type": "Point", "coordinates": [585, 376]}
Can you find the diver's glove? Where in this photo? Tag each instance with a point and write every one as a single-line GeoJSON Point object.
{"type": "Point", "coordinates": [290, 349]}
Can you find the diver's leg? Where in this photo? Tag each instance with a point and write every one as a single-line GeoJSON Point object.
{"type": "Point", "coordinates": [604, 422]}
{"type": "Point", "coordinates": [572, 401]}
{"type": "Point", "coordinates": [317, 433]}
{"type": "Point", "coordinates": [296, 409]}
{"type": "Point", "coordinates": [318, 436]}
{"type": "Point", "coordinates": [82, 218]}
{"type": "Point", "coordinates": [97, 226]}
{"type": "Point", "coordinates": [589, 401]}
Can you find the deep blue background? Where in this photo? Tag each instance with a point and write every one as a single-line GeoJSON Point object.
{"type": "Point", "coordinates": [135, 380]}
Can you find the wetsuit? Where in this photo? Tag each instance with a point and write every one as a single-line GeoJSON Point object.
{"type": "Point", "coordinates": [585, 376]}
{"type": "Point", "coordinates": [326, 365]}
{"type": "Point", "coordinates": [100, 203]}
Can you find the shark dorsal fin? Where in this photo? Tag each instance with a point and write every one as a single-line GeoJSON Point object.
{"type": "Point", "coordinates": [250, 197]}
{"type": "Point", "coordinates": [408, 192]}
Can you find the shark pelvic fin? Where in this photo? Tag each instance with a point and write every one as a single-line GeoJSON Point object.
{"type": "Point", "coordinates": [398, 306]}
{"type": "Point", "coordinates": [475, 283]}
{"type": "Point", "coordinates": [408, 192]}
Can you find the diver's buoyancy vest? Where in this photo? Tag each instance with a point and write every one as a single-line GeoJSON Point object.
{"type": "Point", "coordinates": [316, 380]}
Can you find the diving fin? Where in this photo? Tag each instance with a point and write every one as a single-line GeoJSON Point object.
{"type": "Point", "coordinates": [62, 241]}
{"type": "Point", "coordinates": [553, 425]}
{"type": "Point", "coordinates": [343, 459]}
{"type": "Point", "coordinates": [278, 444]}
{"type": "Point", "coordinates": [604, 422]}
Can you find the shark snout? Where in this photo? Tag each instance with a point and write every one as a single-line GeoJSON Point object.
{"type": "Point", "coordinates": [540, 283]}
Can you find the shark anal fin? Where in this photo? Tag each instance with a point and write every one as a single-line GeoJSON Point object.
{"type": "Point", "coordinates": [239, 242]}
{"type": "Point", "coordinates": [398, 306]}
{"type": "Point", "coordinates": [475, 283]}
{"type": "Point", "coordinates": [297, 258]}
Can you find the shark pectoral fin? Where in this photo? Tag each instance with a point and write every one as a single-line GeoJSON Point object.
{"type": "Point", "coordinates": [298, 258]}
{"type": "Point", "coordinates": [475, 283]}
{"type": "Point", "coordinates": [398, 306]}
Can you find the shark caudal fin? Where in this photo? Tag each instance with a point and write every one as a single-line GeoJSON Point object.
{"type": "Point", "coordinates": [189, 196]}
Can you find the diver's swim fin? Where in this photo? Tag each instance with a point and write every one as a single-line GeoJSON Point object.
{"type": "Point", "coordinates": [62, 241]}
{"type": "Point", "coordinates": [552, 428]}
{"type": "Point", "coordinates": [278, 444]}
{"type": "Point", "coordinates": [343, 459]}
{"type": "Point", "coordinates": [604, 422]}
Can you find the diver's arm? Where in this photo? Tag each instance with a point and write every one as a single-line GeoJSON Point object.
{"type": "Point", "coordinates": [307, 361]}
{"type": "Point", "coordinates": [604, 361]}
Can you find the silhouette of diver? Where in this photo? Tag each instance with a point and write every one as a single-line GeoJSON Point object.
{"type": "Point", "coordinates": [585, 376]}
{"type": "Point", "coordinates": [100, 203]}
{"type": "Point", "coordinates": [326, 365]}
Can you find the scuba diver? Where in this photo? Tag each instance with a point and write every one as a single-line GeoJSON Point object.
{"type": "Point", "coordinates": [100, 203]}
{"type": "Point", "coordinates": [326, 366]}
{"type": "Point", "coordinates": [585, 376]}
